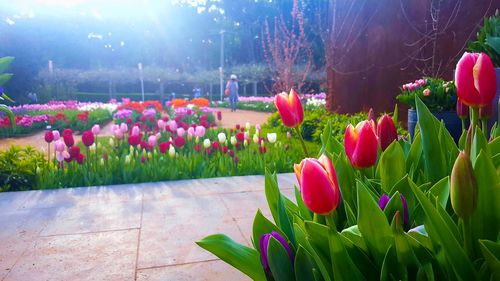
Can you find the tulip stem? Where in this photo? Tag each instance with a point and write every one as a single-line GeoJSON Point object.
{"type": "Point", "coordinates": [484, 125]}
{"type": "Point", "coordinates": [467, 237]}
{"type": "Point", "coordinates": [463, 123]}
{"type": "Point", "coordinates": [302, 141]}
{"type": "Point", "coordinates": [330, 221]}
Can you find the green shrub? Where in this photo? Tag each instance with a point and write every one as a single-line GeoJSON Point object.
{"type": "Point", "coordinates": [18, 168]}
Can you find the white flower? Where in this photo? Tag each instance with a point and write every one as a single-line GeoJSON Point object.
{"type": "Point", "coordinates": [206, 143]}
{"type": "Point", "coordinates": [248, 126]}
{"type": "Point", "coordinates": [221, 137]}
{"type": "Point", "coordinates": [111, 142]}
{"type": "Point", "coordinates": [272, 137]}
{"type": "Point", "coordinates": [127, 159]}
{"type": "Point", "coordinates": [233, 140]}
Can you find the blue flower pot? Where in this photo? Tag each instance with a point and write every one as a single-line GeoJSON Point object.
{"type": "Point", "coordinates": [450, 119]}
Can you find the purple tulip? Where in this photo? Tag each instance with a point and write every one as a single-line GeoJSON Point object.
{"type": "Point", "coordinates": [264, 243]}
{"type": "Point", "coordinates": [384, 200]}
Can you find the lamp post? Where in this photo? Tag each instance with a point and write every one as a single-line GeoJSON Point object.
{"type": "Point", "coordinates": [139, 65]}
{"type": "Point", "coordinates": [221, 68]}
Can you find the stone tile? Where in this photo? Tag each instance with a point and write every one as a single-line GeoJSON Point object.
{"type": "Point", "coordinates": [170, 240]}
{"type": "Point", "coordinates": [10, 201]}
{"type": "Point", "coordinates": [227, 185]}
{"type": "Point", "coordinates": [185, 207]}
{"type": "Point", "coordinates": [200, 271]}
{"type": "Point", "coordinates": [245, 204]}
{"type": "Point", "coordinates": [245, 225]}
{"type": "Point", "coordinates": [92, 256]}
{"type": "Point", "coordinates": [70, 197]}
{"type": "Point", "coordinates": [287, 181]}
{"type": "Point", "coordinates": [94, 217]}
{"type": "Point", "coordinates": [167, 190]}
{"type": "Point", "coordinates": [18, 230]}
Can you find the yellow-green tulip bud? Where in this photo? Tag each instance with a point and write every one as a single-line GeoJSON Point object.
{"type": "Point", "coordinates": [463, 190]}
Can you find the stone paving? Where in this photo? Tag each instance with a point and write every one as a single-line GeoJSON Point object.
{"type": "Point", "coordinates": [128, 232]}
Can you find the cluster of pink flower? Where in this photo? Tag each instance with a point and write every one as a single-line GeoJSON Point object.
{"type": "Point", "coordinates": [257, 99]}
{"type": "Point", "coordinates": [415, 85]}
{"type": "Point", "coordinates": [24, 120]}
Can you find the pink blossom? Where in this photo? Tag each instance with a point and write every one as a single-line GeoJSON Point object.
{"type": "Point", "coordinates": [199, 131]}
{"type": "Point", "coordinates": [181, 132]}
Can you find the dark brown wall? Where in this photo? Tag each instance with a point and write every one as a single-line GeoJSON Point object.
{"type": "Point", "coordinates": [391, 48]}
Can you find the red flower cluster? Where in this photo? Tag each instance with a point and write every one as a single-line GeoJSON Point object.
{"type": "Point", "coordinates": [59, 117]}
{"type": "Point", "coordinates": [83, 117]}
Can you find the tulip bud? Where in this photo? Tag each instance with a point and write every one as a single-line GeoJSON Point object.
{"type": "Point", "coordinates": [245, 143]}
{"type": "Point", "coordinates": [248, 126]}
{"type": "Point", "coordinates": [127, 159]}
{"type": "Point", "coordinates": [181, 132]}
{"type": "Point", "coordinates": [124, 128]}
{"type": "Point", "coordinates": [161, 125]}
{"type": "Point", "coordinates": [427, 92]}
{"type": "Point", "coordinates": [111, 142]}
{"type": "Point", "coordinates": [272, 137]}
{"type": "Point", "coordinates": [318, 184]}
{"type": "Point", "coordinates": [199, 131]}
{"type": "Point", "coordinates": [264, 244]}
{"type": "Point", "coordinates": [59, 146]}
{"type": "Point", "coordinates": [233, 140]}
{"type": "Point", "coordinates": [171, 151]}
{"type": "Point", "coordinates": [361, 144]}
{"type": "Point", "coordinates": [92, 147]}
{"type": "Point", "coordinates": [290, 108]}
{"type": "Point", "coordinates": [463, 187]}
{"type": "Point", "coordinates": [386, 131]}
{"type": "Point", "coordinates": [206, 143]}
{"type": "Point", "coordinates": [152, 141]}
{"type": "Point", "coordinates": [255, 138]}
{"type": "Point", "coordinates": [288, 135]}
{"type": "Point", "coordinates": [385, 199]}
{"type": "Point", "coordinates": [462, 110]}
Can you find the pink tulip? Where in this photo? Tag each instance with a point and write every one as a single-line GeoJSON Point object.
{"type": "Point", "coordinates": [161, 125]}
{"type": "Point", "coordinates": [361, 144]}
{"type": "Point", "coordinates": [118, 134]}
{"type": "Point", "coordinates": [60, 156]}
{"type": "Point", "coordinates": [289, 108]}
{"type": "Point", "coordinates": [181, 132]}
{"type": "Point", "coordinates": [318, 184]}
{"type": "Point", "coordinates": [59, 145]}
{"type": "Point", "coordinates": [123, 127]}
{"type": "Point", "coordinates": [386, 131]}
{"type": "Point", "coordinates": [135, 131]}
{"type": "Point", "coordinates": [475, 79]}
{"type": "Point", "coordinates": [152, 141]}
{"type": "Point", "coordinates": [172, 125]}
{"type": "Point", "coordinates": [199, 131]}
{"type": "Point", "coordinates": [96, 129]}
{"type": "Point", "coordinates": [56, 135]}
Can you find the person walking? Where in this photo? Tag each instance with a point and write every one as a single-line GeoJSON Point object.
{"type": "Point", "coordinates": [232, 88]}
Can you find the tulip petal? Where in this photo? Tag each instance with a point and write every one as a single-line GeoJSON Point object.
{"type": "Point", "coordinates": [318, 192]}
{"type": "Point", "coordinates": [464, 80]}
{"type": "Point", "coordinates": [296, 106]}
{"type": "Point", "coordinates": [328, 166]}
{"type": "Point", "coordinates": [350, 140]}
{"type": "Point", "coordinates": [485, 79]}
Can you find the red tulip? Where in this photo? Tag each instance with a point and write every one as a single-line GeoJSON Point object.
{"type": "Point", "coordinates": [134, 140]}
{"type": "Point", "coordinates": [88, 138]}
{"type": "Point", "coordinates": [164, 146]}
{"type": "Point", "coordinates": [74, 151]}
{"type": "Point", "coordinates": [224, 149]}
{"type": "Point", "coordinates": [361, 144]}
{"type": "Point", "coordinates": [318, 184]}
{"type": "Point", "coordinates": [68, 139]}
{"type": "Point", "coordinates": [240, 137]}
{"type": "Point", "coordinates": [215, 145]}
{"type": "Point", "coordinates": [80, 158]}
{"type": "Point", "coordinates": [386, 131]}
{"type": "Point", "coordinates": [475, 79]}
{"type": "Point", "coordinates": [197, 147]}
{"type": "Point", "coordinates": [49, 136]}
{"type": "Point", "coordinates": [289, 108]}
{"type": "Point", "coordinates": [219, 115]}
{"type": "Point", "coordinates": [462, 110]}
{"type": "Point", "coordinates": [179, 141]}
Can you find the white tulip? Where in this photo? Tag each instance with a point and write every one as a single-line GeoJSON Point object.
{"type": "Point", "coordinates": [233, 140]}
{"type": "Point", "coordinates": [272, 137]}
{"type": "Point", "coordinates": [171, 151]}
{"type": "Point", "coordinates": [206, 143]}
{"type": "Point", "coordinates": [221, 137]}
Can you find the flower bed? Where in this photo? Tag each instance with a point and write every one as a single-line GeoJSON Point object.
{"type": "Point", "coordinates": [265, 104]}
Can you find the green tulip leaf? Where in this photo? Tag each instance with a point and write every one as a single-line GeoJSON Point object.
{"type": "Point", "coordinates": [479, 144]}
{"type": "Point", "coordinates": [373, 225]}
{"type": "Point", "coordinates": [391, 269]}
{"type": "Point", "coordinates": [276, 204]}
{"type": "Point", "coordinates": [352, 233]}
{"type": "Point", "coordinates": [462, 140]}
{"type": "Point", "coordinates": [279, 262]}
{"type": "Point", "coordinates": [363, 262]}
{"type": "Point", "coordinates": [319, 233]}
{"type": "Point", "coordinates": [246, 260]}
{"type": "Point", "coordinates": [346, 179]}
{"type": "Point", "coordinates": [5, 63]}
{"type": "Point", "coordinates": [434, 158]}
{"type": "Point", "coordinates": [391, 166]}
{"type": "Point", "coordinates": [4, 78]}
{"type": "Point", "coordinates": [439, 231]}
{"type": "Point", "coordinates": [329, 143]}
{"type": "Point", "coordinates": [491, 253]}
{"type": "Point", "coordinates": [303, 210]}
{"type": "Point", "coordinates": [304, 265]}
{"type": "Point", "coordinates": [303, 242]}
{"type": "Point", "coordinates": [261, 226]}
{"type": "Point", "coordinates": [9, 113]}
{"type": "Point", "coordinates": [494, 146]}
{"type": "Point", "coordinates": [441, 190]}
{"type": "Point", "coordinates": [342, 264]}
{"type": "Point", "coordinates": [485, 219]}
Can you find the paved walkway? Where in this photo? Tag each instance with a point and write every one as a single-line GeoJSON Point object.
{"type": "Point", "coordinates": [128, 232]}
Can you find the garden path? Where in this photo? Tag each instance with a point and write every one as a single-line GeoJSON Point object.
{"type": "Point", "coordinates": [229, 120]}
{"type": "Point", "coordinates": [128, 232]}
